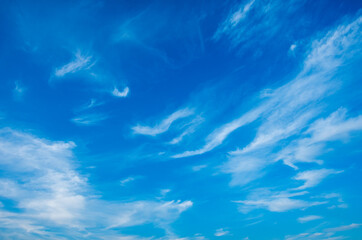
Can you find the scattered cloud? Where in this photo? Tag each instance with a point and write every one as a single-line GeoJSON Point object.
{"type": "Point", "coordinates": [220, 134]}
{"type": "Point", "coordinates": [335, 127]}
{"type": "Point", "coordinates": [89, 119]}
{"type": "Point", "coordinates": [344, 228]}
{"type": "Point", "coordinates": [255, 22]}
{"type": "Point", "coordinates": [117, 93]}
{"type": "Point", "coordinates": [313, 177]}
{"type": "Point", "coordinates": [292, 49]}
{"type": "Point", "coordinates": [80, 62]}
{"type": "Point", "coordinates": [47, 191]}
{"type": "Point", "coordinates": [308, 218]}
{"type": "Point", "coordinates": [221, 232]}
{"type": "Point", "coordinates": [199, 167]}
{"type": "Point", "coordinates": [189, 130]}
{"type": "Point", "coordinates": [92, 103]}
{"type": "Point", "coordinates": [291, 107]}
{"type": "Point", "coordinates": [313, 236]}
{"type": "Point", "coordinates": [164, 125]}
{"type": "Point", "coordinates": [274, 201]}
{"type": "Point", "coordinates": [127, 180]}
{"type": "Point", "coordinates": [18, 90]}
{"type": "Point", "coordinates": [327, 234]}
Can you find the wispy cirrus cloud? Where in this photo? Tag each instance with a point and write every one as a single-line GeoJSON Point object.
{"type": "Point", "coordinates": [46, 189]}
{"type": "Point", "coordinates": [333, 128]}
{"type": "Point", "coordinates": [289, 113]}
{"type": "Point", "coordinates": [328, 233]}
{"type": "Point", "coordinates": [256, 20]}
{"type": "Point", "coordinates": [89, 119]}
{"type": "Point", "coordinates": [80, 62]}
{"type": "Point", "coordinates": [312, 178]}
{"type": "Point", "coordinates": [314, 236]}
{"type": "Point", "coordinates": [221, 232]}
{"type": "Point", "coordinates": [344, 228]}
{"type": "Point", "coordinates": [275, 201]}
{"type": "Point", "coordinates": [189, 130]}
{"type": "Point", "coordinates": [308, 218]}
{"type": "Point", "coordinates": [164, 125]}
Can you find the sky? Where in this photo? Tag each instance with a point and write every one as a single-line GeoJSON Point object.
{"type": "Point", "coordinates": [181, 120]}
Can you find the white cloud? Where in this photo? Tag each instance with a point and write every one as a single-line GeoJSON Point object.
{"type": "Point", "coordinates": [190, 129]}
{"type": "Point", "coordinates": [18, 90]}
{"type": "Point", "coordinates": [221, 232]}
{"type": "Point", "coordinates": [44, 183]}
{"type": "Point", "coordinates": [326, 234]}
{"type": "Point", "coordinates": [141, 212]}
{"type": "Point", "coordinates": [241, 13]}
{"type": "Point", "coordinates": [48, 191]}
{"type": "Point", "coordinates": [244, 169]}
{"type": "Point", "coordinates": [80, 62]}
{"type": "Point", "coordinates": [127, 180]}
{"type": "Point", "coordinates": [274, 201]}
{"type": "Point", "coordinates": [313, 177]}
{"type": "Point", "coordinates": [198, 167]}
{"type": "Point", "coordinates": [314, 236]}
{"type": "Point", "coordinates": [293, 47]}
{"type": "Point", "coordinates": [291, 107]}
{"type": "Point", "coordinates": [220, 134]}
{"type": "Point", "coordinates": [117, 93]}
{"type": "Point", "coordinates": [344, 228]}
{"type": "Point", "coordinates": [164, 125]}
{"type": "Point", "coordinates": [335, 127]}
{"type": "Point", "coordinates": [92, 103]}
{"type": "Point", "coordinates": [256, 22]}
{"type": "Point", "coordinates": [308, 218]}
{"type": "Point", "coordinates": [89, 119]}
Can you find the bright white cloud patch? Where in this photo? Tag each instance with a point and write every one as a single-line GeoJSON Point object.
{"type": "Point", "coordinates": [47, 190]}
{"type": "Point", "coordinates": [41, 178]}
{"type": "Point", "coordinates": [122, 93]}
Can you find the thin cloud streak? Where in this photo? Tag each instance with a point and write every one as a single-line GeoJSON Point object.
{"type": "Point", "coordinates": [79, 63]}
{"type": "Point", "coordinates": [164, 125]}
{"type": "Point", "coordinates": [294, 100]}
{"type": "Point", "coordinates": [48, 191]}
{"type": "Point", "coordinates": [89, 119]}
{"type": "Point", "coordinates": [308, 218]}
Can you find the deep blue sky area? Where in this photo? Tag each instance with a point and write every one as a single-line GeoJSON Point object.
{"type": "Point", "coordinates": [181, 120]}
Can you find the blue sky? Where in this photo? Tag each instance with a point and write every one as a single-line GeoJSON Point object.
{"type": "Point", "coordinates": [182, 120]}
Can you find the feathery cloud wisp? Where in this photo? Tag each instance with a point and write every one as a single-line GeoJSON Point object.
{"type": "Point", "coordinates": [221, 232]}
{"type": "Point", "coordinates": [274, 201]}
{"type": "Point", "coordinates": [89, 119]}
{"type": "Point", "coordinates": [48, 191]}
{"type": "Point", "coordinates": [294, 104]}
{"type": "Point", "coordinates": [80, 62]}
{"type": "Point", "coordinates": [308, 218]}
{"type": "Point", "coordinates": [164, 125]}
{"type": "Point", "coordinates": [313, 177]}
